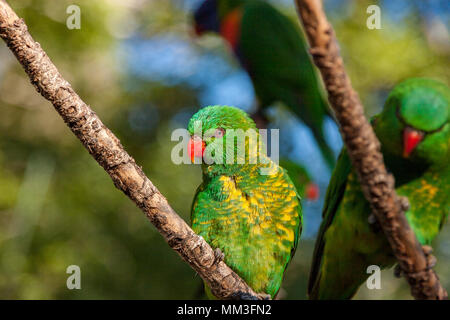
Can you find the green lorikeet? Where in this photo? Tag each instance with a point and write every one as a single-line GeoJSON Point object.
{"type": "Point", "coordinates": [414, 132]}
{"type": "Point", "coordinates": [273, 51]}
{"type": "Point", "coordinates": [250, 210]}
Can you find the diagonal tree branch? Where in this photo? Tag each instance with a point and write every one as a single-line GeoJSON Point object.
{"type": "Point", "coordinates": [364, 150]}
{"type": "Point", "coordinates": [107, 150]}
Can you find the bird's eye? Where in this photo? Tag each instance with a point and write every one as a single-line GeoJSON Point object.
{"type": "Point", "coordinates": [219, 133]}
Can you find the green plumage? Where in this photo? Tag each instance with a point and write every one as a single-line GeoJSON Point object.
{"type": "Point", "coordinates": [346, 243]}
{"type": "Point", "coordinates": [254, 219]}
{"type": "Point", "coordinates": [275, 54]}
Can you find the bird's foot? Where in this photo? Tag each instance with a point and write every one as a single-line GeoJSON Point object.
{"type": "Point", "coordinates": [404, 203]}
{"type": "Point", "coordinates": [431, 259]}
{"type": "Point", "coordinates": [374, 224]}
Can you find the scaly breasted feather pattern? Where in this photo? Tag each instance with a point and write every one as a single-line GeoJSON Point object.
{"type": "Point", "coordinates": [253, 218]}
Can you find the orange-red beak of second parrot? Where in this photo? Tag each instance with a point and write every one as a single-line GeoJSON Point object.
{"type": "Point", "coordinates": [411, 139]}
{"type": "Point", "coordinates": [196, 148]}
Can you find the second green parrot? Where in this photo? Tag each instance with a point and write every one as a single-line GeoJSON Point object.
{"type": "Point", "coordinates": [414, 132]}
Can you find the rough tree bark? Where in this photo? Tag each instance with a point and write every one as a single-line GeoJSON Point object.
{"type": "Point", "coordinates": [364, 150]}
{"type": "Point", "coordinates": [107, 150]}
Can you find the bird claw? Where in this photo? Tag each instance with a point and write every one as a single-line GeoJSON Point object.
{"type": "Point", "coordinates": [404, 203]}
{"type": "Point", "coordinates": [431, 259]}
{"type": "Point", "coordinates": [427, 250]}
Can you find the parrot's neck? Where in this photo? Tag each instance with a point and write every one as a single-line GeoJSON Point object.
{"type": "Point", "coordinates": [406, 170]}
{"type": "Point", "coordinates": [265, 166]}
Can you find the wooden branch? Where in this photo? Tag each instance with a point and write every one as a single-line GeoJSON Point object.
{"type": "Point", "coordinates": [107, 150]}
{"type": "Point", "coordinates": [364, 150]}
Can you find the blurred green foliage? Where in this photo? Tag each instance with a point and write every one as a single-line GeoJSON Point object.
{"type": "Point", "coordinates": [58, 207]}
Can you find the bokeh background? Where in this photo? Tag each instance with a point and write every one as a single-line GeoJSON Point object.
{"type": "Point", "coordinates": [138, 65]}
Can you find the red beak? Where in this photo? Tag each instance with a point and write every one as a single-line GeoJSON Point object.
{"type": "Point", "coordinates": [411, 139]}
{"type": "Point", "coordinates": [196, 148]}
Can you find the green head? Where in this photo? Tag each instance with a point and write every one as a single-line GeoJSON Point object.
{"type": "Point", "coordinates": [414, 123]}
{"type": "Point", "coordinates": [222, 132]}
{"type": "Point", "coordinates": [225, 117]}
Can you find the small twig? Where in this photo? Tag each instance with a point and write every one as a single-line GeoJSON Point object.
{"type": "Point", "coordinates": [107, 150]}
{"type": "Point", "coordinates": [364, 150]}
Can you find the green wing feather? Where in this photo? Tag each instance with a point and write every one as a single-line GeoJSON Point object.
{"type": "Point", "coordinates": [255, 220]}
{"type": "Point", "coordinates": [333, 197]}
